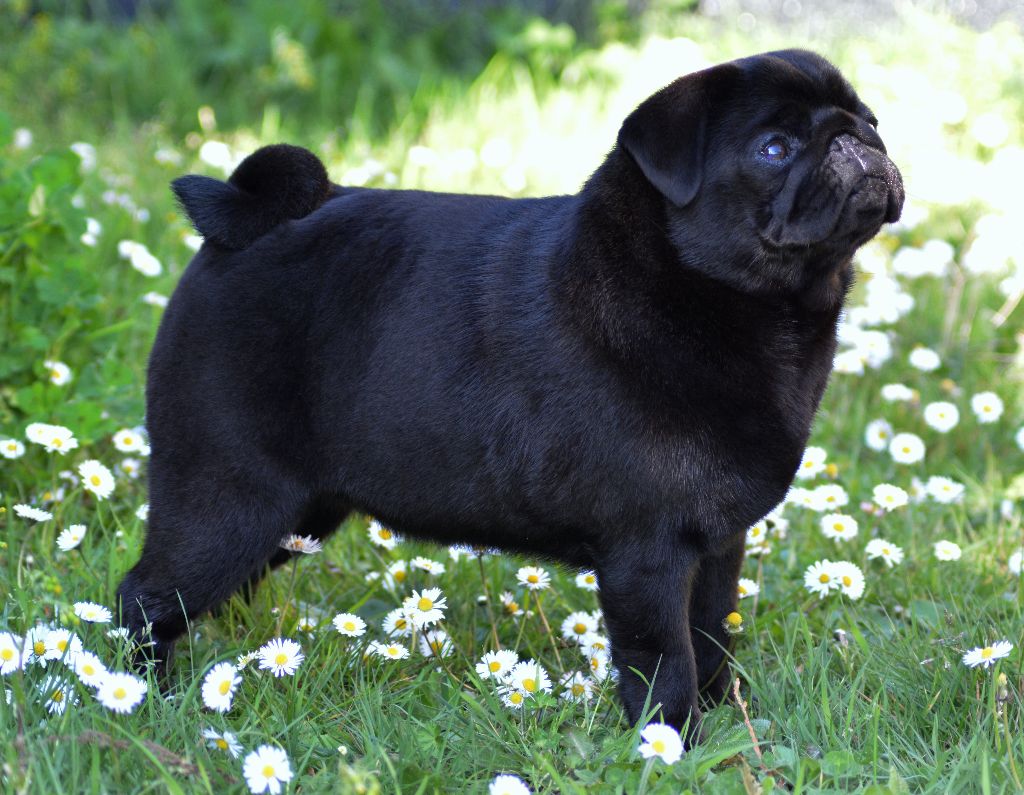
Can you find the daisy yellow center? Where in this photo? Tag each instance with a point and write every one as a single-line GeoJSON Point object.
{"type": "Point", "coordinates": [847, 580]}
{"type": "Point", "coordinates": [57, 696]}
{"type": "Point", "coordinates": [7, 654]}
{"type": "Point", "coordinates": [55, 375]}
{"type": "Point", "coordinates": [350, 626]}
{"type": "Point", "coordinates": [579, 627]}
{"type": "Point", "coordinates": [987, 652]}
{"type": "Point", "coordinates": [62, 645]}
{"type": "Point", "coordinates": [837, 526]}
{"type": "Point", "coordinates": [906, 449]}
{"type": "Point", "coordinates": [533, 578]}
{"type": "Point", "coordinates": [120, 692]}
{"type": "Point", "coordinates": [578, 690]}
{"type": "Point", "coordinates": [595, 663]}
{"type": "Point", "coordinates": [401, 624]}
{"type": "Point", "coordinates": [221, 743]}
{"type": "Point", "coordinates": [734, 619]}
{"type": "Point", "coordinates": [435, 645]}
{"type": "Point", "coordinates": [39, 647]}
{"type": "Point", "coordinates": [512, 607]}
{"type": "Point", "coordinates": [393, 651]}
{"type": "Point", "coordinates": [743, 590]}
{"type": "Point", "coordinates": [590, 579]}
{"type": "Point", "coordinates": [659, 746]}
{"type": "Point", "coordinates": [399, 575]}
{"type": "Point", "coordinates": [424, 603]}
{"type": "Point", "coordinates": [886, 551]}
{"type": "Point", "coordinates": [95, 480]}
{"type": "Point", "coordinates": [516, 698]}
{"type": "Point", "coordinates": [281, 658]}
{"type": "Point", "coordinates": [494, 666]}
{"type": "Point", "coordinates": [57, 442]}
{"type": "Point", "coordinates": [225, 686]}
{"type": "Point", "coordinates": [830, 499]}
{"type": "Point", "coordinates": [823, 577]}
{"type": "Point", "coordinates": [268, 771]}
{"type": "Point", "coordinates": [529, 685]}
{"type": "Point", "coordinates": [88, 669]}
{"type": "Point", "coordinates": [385, 533]}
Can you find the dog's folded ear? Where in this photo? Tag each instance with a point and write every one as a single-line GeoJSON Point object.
{"type": "Point", "coordinates": [666, 135]}
{"type": "Point", "coordinates": [272, 185]}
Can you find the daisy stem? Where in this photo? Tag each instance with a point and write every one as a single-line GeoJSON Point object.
{"type": "Point", "coordinates": [554, 643]}
{"type": "Point", "coordinates": [646, 774]}
{"type": "Point", "coordinates": [291, 591]}
{"type": "Point", "coordinates": [490, 610]}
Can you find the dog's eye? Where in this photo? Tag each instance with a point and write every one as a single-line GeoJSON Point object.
{"type": "Point", "coordinates": [775, 150]}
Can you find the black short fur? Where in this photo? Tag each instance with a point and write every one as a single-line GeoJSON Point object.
{"type": "Point", "coordinates": [623, 379]}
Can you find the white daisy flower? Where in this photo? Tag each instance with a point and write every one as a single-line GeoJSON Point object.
{"type": "Point", "coordinates": [757, 534]}
{"type": "Point", "coordinates": [281, 656]}
{"type": "Point", "coordinates": [1019, 438]}
{"type": "Point", "coordinates": [746, 587]}
{"type": "Point", "coordinates": [828, 497]}
{"type": "Point", "coordinates": [243, 660]}
{"type": "Point", "coordinates": [849, 362]}
{"type": "Point", "coordinates": [595, 643]}
{"type": "Point", "coordinates": [92, 612]}
{"type": "Point", "coordinates": [60, 373]}
{"type": "Point", "coordinates": [427, 565]}
{"type": "Point", "coordinates": [812, 464]}
{"type": "Point", "coordinates": [850, 578]}
{"type": "Point", "coordinates": [61, 644]}
{"type": "Point", "coordinates": [219, 686]}
{"type": "Point", "coordinates": [35, 644]}
{"type": "Point", "coordinates": [924, 359]}
{"type": "Point", "coordinates": [425, 607]}
{"type": "Point", "coordinates": [510, 605]}
{"type": "Point", "coordinates": [898, 393]}
{"type": "Point", "coordinates": [906, 448]}
{"type": "Point", "coordinates": [88, 667]}
{"type": "Point", "coordinates": [533, 577]}
{"type": "Point", "coordinates": [11, 657]}
{"type": "Point", "coordinates": [578, 624]}
{"type": "Point", "coordinates": [266, 769]}
{"type": "Point", "coordinates": [877, 435]}
{"type": "Point", "coordinates": [942, 416]}
{"type": "Point", "coordinates": [395, 574]}
{"type": "Point", "coordinates": [382, 536]}
{"type": "Point", "coordinates": [880, 548]}
{"type": "Point", "coordinates": [436, 643]}
{"type": "Point", "coordinates": [820, 578]}
{"type": "Point", "coordinates": [397, 623]}
{"type": "Point", "coordinates": [307, 545]}
{"type": "Point", "coordinates": [128, 441]}
{"type": "Point", "coordinates": [143, 512]}
{"type": "Point", "coordinates": [1016, 561]}
{"type": "Point", "coordinates": [155, 299]}
{"type": "Point", "coordinates": [587, 580]}
{"type": "Point", "coordinates": [661, 741]}
{"type": "Point", "coordinates": [889, 497]}
{"type": "Point", "coordinates": [512, 698]}
{"type": "Point", "coordinates": [35, 514]}
{"type": "Point", "coordinates": [222, 741]}
{"type": "Point", "coordinates": [54, 438]}
{"type": "Point", "coordinates": [96, 478]}
{"type": "Point", "coordinates": [57, 695]}
{"type": "Point", "coordinates": [120, 692]}
{"type": "Point", "coordinates": [944, 490]}
{"type": "Point", "coordinates": [600, 665]}
{"type": "Point", "coordinates": [496, 664]}
{"type": "Point", "coordinates": [118, 633]}
{"type": "Point", "coordinates": [947, 550]}
{"type": "Point", "coordinates": [349, 625]}
{"type": "Point", "coordinates": [506, 784]}
{"type": "Point", "coordinates": [987, 655]}
{"type": "Point", "coordinates": [530, 677]}
{"type": "Point", "coordinates": [577, 687]}
{"type": "Point", "coordinates": [390, 651]}
{"type": "Point", "coordinates": [839, 527]}
{"type": "Point", "coordinates": [987, 407]}
{"type": "Point", "coordinates": [11, 449]}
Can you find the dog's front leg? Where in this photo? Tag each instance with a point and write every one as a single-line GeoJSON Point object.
{"type": "Point", "coordinates": [645, 587]}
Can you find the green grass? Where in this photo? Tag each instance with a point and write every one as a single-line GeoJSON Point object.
{"type": "Point", "coordinates": [885, 706]}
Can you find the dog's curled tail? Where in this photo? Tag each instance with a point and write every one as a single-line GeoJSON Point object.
{"type": "Point", "coordinates": [272, 185]}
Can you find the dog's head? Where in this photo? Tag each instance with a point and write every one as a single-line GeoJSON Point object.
{"type": "Point", "coordinates": [771, 168]}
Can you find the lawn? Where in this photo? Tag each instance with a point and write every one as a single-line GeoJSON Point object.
{"type": "Point", "coordinates": [914, 480]}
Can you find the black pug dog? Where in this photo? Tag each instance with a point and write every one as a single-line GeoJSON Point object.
{"type": "Point", "coordinates": [621, 380]}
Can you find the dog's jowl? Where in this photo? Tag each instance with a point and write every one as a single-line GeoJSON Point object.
{"type": "Point", "coordinates": [622, 380]}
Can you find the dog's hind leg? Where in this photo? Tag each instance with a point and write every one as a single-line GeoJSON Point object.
{"type": "Point", "coordinates": [209, 532]}
{"type": "Point", "coordinates": [714, 597]}
{"type": "Point", "coordinates": [320, 519]}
